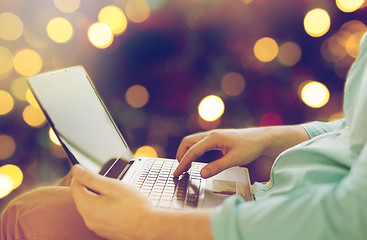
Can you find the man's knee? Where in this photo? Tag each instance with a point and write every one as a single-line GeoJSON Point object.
{"type": "Point", "coordinates": [45, 213]}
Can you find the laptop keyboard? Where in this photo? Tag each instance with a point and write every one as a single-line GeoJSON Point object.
{"type": "Point", "coordinates": [164, 190]}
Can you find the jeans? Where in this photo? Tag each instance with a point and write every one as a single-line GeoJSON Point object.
{"type": "Point", "coordinates": [44, 213]}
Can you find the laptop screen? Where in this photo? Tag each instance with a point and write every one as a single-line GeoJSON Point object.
{"type": "Point", "coordinates": [79, 118]}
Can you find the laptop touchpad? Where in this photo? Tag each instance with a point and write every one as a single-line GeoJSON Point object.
{"type": "Point", "coordinates": [224, 187]}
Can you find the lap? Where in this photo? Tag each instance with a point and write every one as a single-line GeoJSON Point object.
{"type": "Point", "coordinates": [44, 213]}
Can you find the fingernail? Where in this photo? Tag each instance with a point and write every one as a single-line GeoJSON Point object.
{"type": "Point", "coordinates": [205, 173]}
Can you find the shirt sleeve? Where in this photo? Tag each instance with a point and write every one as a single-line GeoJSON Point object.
{"type": "Point", "coordinates": [330, 211]}
{"type": "Point", "coordinates": [317, 127]}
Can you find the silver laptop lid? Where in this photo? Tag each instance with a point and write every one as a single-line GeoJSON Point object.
{"type": "Point", "coordinates": [79, 118]}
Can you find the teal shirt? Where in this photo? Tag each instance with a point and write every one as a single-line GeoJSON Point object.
{"type": "Point", "coordinates": [318, 188]}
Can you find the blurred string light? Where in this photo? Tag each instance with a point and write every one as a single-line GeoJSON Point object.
{"type": "Point", "coordinates": [137, 96]}
{"type": "Point", "coordinates": [349, 5]}
{"type": "Point", "coordinates": [146, 151]}
{"type": "Point", "coordinates": [11, 26]}
{"type": "Point", "coordinates": [60, 30]}
{"type": "Point", "coordinates": [33, 116]}
{"type": "Point", "coordinates": [314, 94]}
{"type": "Point", "coordinates": [289, 54]}
{"type": "Point", "coordinates": [317, 22]}
{"type": "Point", "coordinates": [100, 35]}
{"type": "Point", "coordinates": [137, 11]}
{"type": "Point", "coordinates": [270, 119]}
{"type": "Point", "coordinates": [27, 62]}
{"type": "Point", "coordinates": [207, 125]}
{"type": "Point", "coordinates": [6, 102]}
{"type": "Point", "coordinates": [30, 98]}
{"type": "Point", "coordinates": [211, 108]}
{"type": "Point", "coordinates": [53, 137]}
{"type": "Point", "coordinates": [19, 88]}
{"type": "Point", "coordinates": [342, 47]}
{"type": "Point", "coordinates": [7, 146]}
{"type": "Point", "coordinates": [266, 49]}
{"type": "Point", "coordinates": [67, 6]}
{"type": "Point", "coordinates": [113, 17]}
{"type": "Point", "coordinates": [6, 185]}
{"type": "Point", "coordinates": [35, 40]}
{"type": "Point", "coordinates": [11, 177]}
{"type": "Point", "coordinates": [233, 84]}
{"type": "Point", "coordinates": [6, 61]}
{"type": "Point", "coordinates": [156, 4]}
{"type": "Point", "coordinates": [356, 30]}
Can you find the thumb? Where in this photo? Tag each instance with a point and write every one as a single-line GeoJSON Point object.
{"type": "Point", "coordinates": [93, 181]}
{"type": "Point", "coordinates": [215, 167]}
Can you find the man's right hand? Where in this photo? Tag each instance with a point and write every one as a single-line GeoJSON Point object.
{"type": "Point", "coordinates": [238, 146]}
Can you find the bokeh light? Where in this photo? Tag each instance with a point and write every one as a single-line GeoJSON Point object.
{"type": "Point", "coordinates": [317, 22]}
{"type": "Point", "coordinates": [211, 108]}
{"type": "Point", "coordinates": [19, 88]}
{"type": "Point", "coordinates": [100, 35]}
{"type": "Point", "coordinates": [353, 31]}
{"type": "Point", "coordinates": [207, 125]}
{"type": "Point", "coordinates": [14, 172]}
{"type": "Point", "coordinates": [146, 151]}
{"type": "Point", "coordinates": [6, 61]}
{"type": "Point", "coordinates": [289, 54]}
{"type": "Point", "coordinates": [11, 26]}
{"type": "Point", "coordinates": [6, 185]}
{"type": "Point", "coordinates": [349, 5]}
{"type": "Point", "coordinates": [33, 116]}
{"type": "Point", "coordinates": [7, 146]}
{"type": "Point", "coordinates": [137, 96]}
{"type": "Point", "coordinates": [156, 4]}
{"type": "Point", "coordinates": [27, 62]}
{"type": "Point", "coordinates": [270, 119]}
{"type": "Point", "coordinates": [266, 49]}
{"type": "Point", "coordinates": [67, 6]}
{"type": "Point", "coordinates": [30, 98]}
{"type": "Point", "coordinates": [315, 94]}
{"type": "Point", "coordinates": [113, 17]}
{"type": "Point", "coordinates": [6, 102]}
{"type": "Point", "coordinates": [53, 137]}
{"type": "Point", "coordinates": [137, 11]}
{"type": "Point", "coordinates": [352, 44]}
{"type": "Point", "coordinates": [233, 84]}
{"type": "Point", "coordinates": [60, 30]}
{"type": "Point", "coordinates": [35, 40]}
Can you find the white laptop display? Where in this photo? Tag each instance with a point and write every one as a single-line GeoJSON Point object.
{"type": "Point", "coordinates": [90, 137]}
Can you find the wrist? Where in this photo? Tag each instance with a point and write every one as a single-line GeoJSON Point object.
{"type": "Point", "coordinates": [170, 224]}
{"type": "Point", "coordinates": [279, 138]}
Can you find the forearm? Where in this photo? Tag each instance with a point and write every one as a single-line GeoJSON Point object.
{"type": "Point", "coordinates": [186, 225]}
{"type": "Point", "coordinates": [279, 138]}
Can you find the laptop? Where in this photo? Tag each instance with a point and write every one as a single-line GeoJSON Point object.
{"type": "Point", "coordinates": [90, 137]}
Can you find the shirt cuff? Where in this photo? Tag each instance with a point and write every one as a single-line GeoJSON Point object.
{"type": "Point", "coordinates": [316, 128]}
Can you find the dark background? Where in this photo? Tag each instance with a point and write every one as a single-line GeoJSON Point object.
{"type": "Point", "coordinates": [180, 55]}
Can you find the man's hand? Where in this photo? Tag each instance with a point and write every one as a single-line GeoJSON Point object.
{"type": "Point", "coordinates": [113, 210]}
{"type": "Point", "coordinates": [117, 211]}
{"type": "Point", "coordinates": [238, 146]}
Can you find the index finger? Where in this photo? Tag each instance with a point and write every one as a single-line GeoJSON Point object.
{"type": "Point", "coordinates": [188, 142]}
{"type": "Point", "coordinates": [195, 151]}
